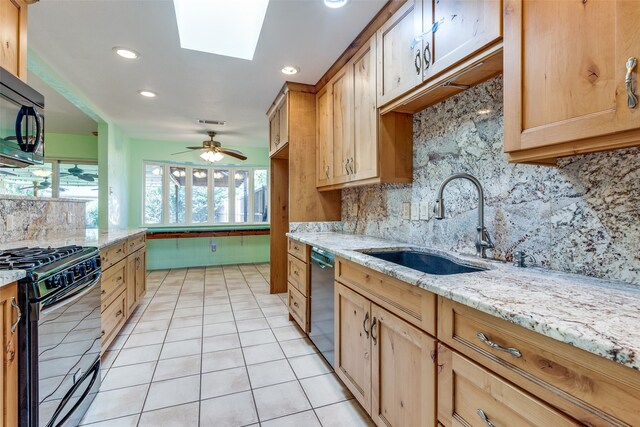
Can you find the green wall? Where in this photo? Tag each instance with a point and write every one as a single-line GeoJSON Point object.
{"type": "Point", "coordinates": [68, 146]}
{"type": "Point", "coordinates": [196, 252]}
{"type": "Point", "coordinates": [176, 253]}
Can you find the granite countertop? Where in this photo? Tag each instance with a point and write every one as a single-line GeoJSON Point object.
{"type": "Point", "coordinates": [89, 237]}
{"type": "Point", "coordinates": [599, 316]}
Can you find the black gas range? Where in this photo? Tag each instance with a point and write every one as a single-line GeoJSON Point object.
{"type": "Point", "coordinates": [60, 331]}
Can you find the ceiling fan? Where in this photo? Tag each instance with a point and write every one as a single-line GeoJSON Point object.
{"type": "Point", "coordinates": [212, 151]}
{"type": "Point", "coordinates": [79, 173]}
{"type": "Point", "coordinates": [43, 185]}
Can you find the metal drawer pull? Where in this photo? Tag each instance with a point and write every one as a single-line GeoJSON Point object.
{"type": "Point", "coordinates": [511, 350]}
{"type": "Point", "coordinates": [295, 304]}
{"type": "Point", "coordinates": [484, 417]}
{"type": "Point", "coordinates": [427, 59]}
{"type": "Point", "coordinates": [418, 62]}
{"type": "Point", "coordinates": [14, 326]}
{"type": "Point", "coordinates": [632, 99]}
{"type": "Point", "coordinates": [119, 313]}
{"type": "Point", "coordinates": [373, 328]}
{"type": "Point", "coordinates": [326, 171]}
{"type": "Point", "coordinates": [295, 272]}
{"type": "Point", "coordinates": [364, 324]}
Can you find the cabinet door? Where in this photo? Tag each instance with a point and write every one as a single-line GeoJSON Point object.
{"type": "Point", "coordinates": [324, 132]}
{"type": "Point", "coordinates": [365, 114]}
{"type": "Point", "coordinates": [565, 82]}
{"type": "Point", "coordinates": [132, 296]}
{"type": "Point", "coordinates": [462, 27]}
{"type": "Point", "coordinates": [13, 37]}
{"type": "Point", "coordinates": [352, 343]}
{"type": "Point", "coordinates": [274, 131]}
{"type": "Point", "coordinates": [403, 370]}
{"type": "Point", "coordinates": [141, 274]}
{"type": "Point", "coordinates": [342, 127]}
{"type": "Point", "coordinates": [283, 112]}
{"type": "Point", "coordinates": [399, 54]}
{"type": "Point", "coordinates": [9, 371]}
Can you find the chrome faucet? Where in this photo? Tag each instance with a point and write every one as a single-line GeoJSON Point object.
{"type": "Point", "coordinates": [483, 240]}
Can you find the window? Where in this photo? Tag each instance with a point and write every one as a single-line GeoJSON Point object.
{"type": "Point", "coordinates": [58, 179]}
{"type": "Point", "coordinates": [197, 195]}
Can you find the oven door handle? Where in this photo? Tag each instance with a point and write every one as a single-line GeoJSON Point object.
{"type": "Point", "coordinates": [69, 298]}
{"type": "Point", "coordinates": [94, 372]}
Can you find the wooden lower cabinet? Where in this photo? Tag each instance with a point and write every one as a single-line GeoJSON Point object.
{"type": "Point", "coordinates": [384, 361]}
{"type": "Point", "coordinates": [123, 284]}
{"type": "Point", "coordinates": [9, 372]}
{"type": "Point", "coordinates": [470, 395]}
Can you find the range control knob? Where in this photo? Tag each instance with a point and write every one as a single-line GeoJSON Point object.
{"type": "Point", "coordinates": [70, 277]}
{"type": "Point", "coordinates": [50, 283]}
{"type": "Point", "coordinates": [82, 270]}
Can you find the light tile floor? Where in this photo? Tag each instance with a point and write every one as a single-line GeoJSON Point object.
{"type": "Point", "coordinates": [211, 347]}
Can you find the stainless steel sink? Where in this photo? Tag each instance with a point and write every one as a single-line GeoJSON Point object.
{"type": "Point", "coordinates": [425, 262]}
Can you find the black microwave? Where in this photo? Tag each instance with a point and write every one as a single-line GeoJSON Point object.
{"type": "Point", "coordinates": [21, 123]}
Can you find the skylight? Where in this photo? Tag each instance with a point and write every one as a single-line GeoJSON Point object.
{"type": "Point", "coordinates": [222, 27]}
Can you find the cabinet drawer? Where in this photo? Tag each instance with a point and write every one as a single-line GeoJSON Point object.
{"type": "Point", "coordinates": [113, 319]}
{"type": "Point", "coordinates": [298, 308]}
{"type": "Point", "coordinates": [411, 303]}
{"type": "Point", "coordinates": [299, 250]}
{"type": "Point", "coordinates": [473, 396]}
{"type": "Point", "coordinates": [136, 242]}
{"type": "Point", "coordinates": [593, 390]}
{"type": "Point", "coordinates": [112, 254]}
{"type": "Point", "coordinates": [114, 281]}
{"type": "Point", "coordinates": [298, 274]}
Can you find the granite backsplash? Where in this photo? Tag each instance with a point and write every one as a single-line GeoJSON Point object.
{"type": "Point", "coordinates": [581, 217]}
{"type": "Point", "coordinates": [27, 218]}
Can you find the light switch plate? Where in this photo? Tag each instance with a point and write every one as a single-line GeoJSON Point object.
{"type": "Point", "coordinates": [353, 210]}
{"type": "Point", "coordinates": [406, 211]}
{"type": "Point", "coordinates": [424, 211]}
{"type": "Point", "coordinates": [415, 211]}
{"type": "Point", "coordinates": [10, 222]}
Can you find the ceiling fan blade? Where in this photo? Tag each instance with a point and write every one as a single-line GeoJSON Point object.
{"type": "Point", "coordinates": [182, 152]}
{"type": "Point", "coordinates": [65, 174]}
{"type": "Point", "coordinates": [86, 178]}
{"type": "Point", "coordinates": [233, 153]}
{"type": "Point", "coordinates": [7, 173]}
{"type": "Point", "coordinates": [92, 175]}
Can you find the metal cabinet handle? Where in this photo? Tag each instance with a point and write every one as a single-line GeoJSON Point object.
{"type": "Point", "coordinates": [295, 304]}
{"type": "Point", "coordinates": [119, 313]}
{"type": "Point", "coordinates": [511, 350]}
{"type": "Point", "coordinates": [296, 272]}
{"type": "Point", "coordinates": [484, 417]}
{"type": "Point", "coordinates": [418, 62]}
{"type": "Point", "coordinates": [632, 99]}
{"type": "Point", "coordinates": [326, 170]}
{"type": "Point", "coordinates": [11, 350]}
{"type": "Point", "coordinates": [427, 60]}
{"type": "Point", "coordinates": [364, 324]}
{"type": "Point", "coordinates": [373, 328]}
{"type": "Point", "coordinates": [14, 325]}
{"type": "Point", "coordinates": [353, 166]}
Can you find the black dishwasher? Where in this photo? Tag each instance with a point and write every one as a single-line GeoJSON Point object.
{"type": "Point", "coordinates": [322, 277]}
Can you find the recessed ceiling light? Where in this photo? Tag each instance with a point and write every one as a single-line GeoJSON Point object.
{"type": "Point", "coordinates": [334, 4]}
{"type": "Point", "coordinates": [290, 70]}
{"type": "Point", "coordinates": [126, 53]}
{"type": "Point", "coordinates": [222, 27]}
{"type": "Point", "coordinates": [147, 93]}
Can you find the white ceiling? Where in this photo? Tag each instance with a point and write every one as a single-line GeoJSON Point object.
{"type": "Point", "coordinates": [61, 115]}
{"type": "Point", "coordinates": [75, 38]}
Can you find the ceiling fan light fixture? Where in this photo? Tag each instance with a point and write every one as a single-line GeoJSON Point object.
{"type": "Point", "coordinates": [43, 173]}
{"type": "Point", "coordinates": [290, 70]}
{"type": "Point", "coordinates": [126, 53]}
{"type": "Point", "coordinates": [147, 93]}
{"type": "Point", "coordinates": [211, 156]}
{"type": "Point", "coordinates": [335, 4]}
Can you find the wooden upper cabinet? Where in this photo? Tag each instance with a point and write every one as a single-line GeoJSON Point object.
{"type": "Point", "coordinates": [455, 29]}
{"type": "Point", "coordinates": [283, 115]}
{"type": "Point", "coordinates": [365, 113]}
{"type": "Point", "coordinates": [324, 137]}
{"type": "Point", "coordinates": [274, 131]}
{"type": "Point", "coordinates": [564, 77]}
{"type": "Point", "coordinates": [399, 54]}
{"type": "Point", "coordinates": [13, 37]}
{"type": "Point", "coordinates": [342, 103]}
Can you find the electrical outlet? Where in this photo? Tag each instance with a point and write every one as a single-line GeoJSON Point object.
{"type": "Point", "coordinates": [424, 211]}
{"type": "Point", "coordinates": [415, 212]}
{"type": "Point", "coordinates": [214, 247]}
{"type": "Point", "coordinates": [406, 211]}
{"type": "Point", "coordinates": [69, 217]}
{"type": "Point", "coordinates": [353, 210]}
{"type": "Point", "coordinates": [10, 222]}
